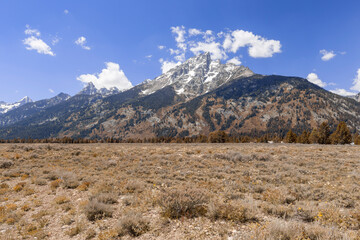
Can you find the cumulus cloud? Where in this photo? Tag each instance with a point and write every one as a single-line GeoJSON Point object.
{"type": "Point", "coordinates": [327, 55]}
{"type": "Point", "coordinates": [313, 78]}
{"type": "Point", "coordinates": [111, 76]}
{"type": "Point", "coordinates": [34, 43]}
{"type": "Point", "coordinates": [221, 45]}
{"type": "Point", "coordinates": [66, 11]}
{"type": "Point", "coordinates": [356, 82]}
{"type": "Point", "coordinates": [213, 48]}
{"type": "Point", "coordinates": [258, 47]}
{"type": "Point", "coordinates": [343, 92]}
{"type": "Point", "coordinates": [235, 60]}
{"type": "Point", "coordinates": [81, 41]}
{"type": "Point", "coordinates": [167, 65]}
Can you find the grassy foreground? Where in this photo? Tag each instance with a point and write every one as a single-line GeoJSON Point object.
{"type": "Point", "coordinates": [179, 191]}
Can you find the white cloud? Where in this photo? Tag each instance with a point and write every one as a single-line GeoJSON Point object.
{"type": "Point", "coordinates": [50, 90]}
{"type": "Point", "coordinates": [343, 92]}
{"type": "Point", "coordinates": [213, 48]}
{"type": "Point", "coordinates": [356, 82]}
{"type": "Point", "coordinates": [55, 40]}
{"type": "Point", "coordinates": [30, 31]}
{"type": "Point", "coordinates": [111, 76]}
{"type": "Point", "coordinates": [258, 47]}
{"type": "Point", "coordinates": [167, 65]}
{"type": "Point", "coordinates": [148, 57]}
{"type": "Point", "coordinates": [194, 32]}
{"type": "Point", "coordinates": [235, 60]}
{"type": "Point", "coordinates": [34, 43]}
{"type": "Point", "coordinates": [81, 41]}
{"type": "Point", "coordinates": [66, 11]}
{"type": "Point", "coordinates": [180, 33]}
{"type": "Point", "coordinates": [313, 78]}
{"type": "Point", "coordinates": [161, 47]}
{"type": "Point", "coordinates": [220, 45]}
{"type": "Point", "coordinates": [327, 55]}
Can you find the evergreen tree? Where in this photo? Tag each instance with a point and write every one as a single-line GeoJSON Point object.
{"type": "Point", "coordinates": [324, 133]}
{"type": "Point", "coordinates": [357, 139]}
{"type": "Point", "coordinates": [342, 134]}
{"type": "Point", "coordinates": [314, 136]}
{"type": "Point", "coordinates": [218, 137]}
{"type": "Point", "coordinates": [304, 137]}
{"type": "Point", "coordinates": [290, 137]}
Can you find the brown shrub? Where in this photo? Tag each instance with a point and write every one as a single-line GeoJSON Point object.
{"type": "Point", "coordinates": [107, 198]}
{"type": "Point", "coordinates": [69, 180]}
{"type": "Point", "coordinates": [5, 163]}
{"type": "Point", "coordinates": [184, 201]}
{"type": "Point", "coordinates": [292, 230]}
{"type": "Point", "coordinates": [133, 224]}
{"type": "Point", "coordinates": [134, 186]}
{"type": "Point", "coordinates": [61, 200]}
{"type": "Point", "coordinates": [97, 210]}
{"type": "Point", "coordinates": [235, 211]}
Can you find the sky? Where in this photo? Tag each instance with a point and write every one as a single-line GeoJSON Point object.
{"type": "Point", "coordinates": [48, 47]}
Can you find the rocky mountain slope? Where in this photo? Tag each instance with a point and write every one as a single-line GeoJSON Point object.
{"type": "Point", "coordinates": [196, 97]}
{"type": "Point", "coordinates": [28, 109]}
{"type": "Point", "coordinates": [6, 107]}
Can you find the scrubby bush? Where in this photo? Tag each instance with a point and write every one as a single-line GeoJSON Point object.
{"type": "Point", "coordinates": [184, 201]}
{"type": "Point", "coordinates": [69, 180]}
{"type": "Point", "coordinates": [133, 224]}
{"type": "Point", "coordinates": [5, 163]}
{"type": "Point", "coordinates": [95, 210]}
{"type": "Point", "coordinates": [234, 211]}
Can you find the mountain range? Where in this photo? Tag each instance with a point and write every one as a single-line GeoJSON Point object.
{"type": "Point", "coordinates": [196, 97]}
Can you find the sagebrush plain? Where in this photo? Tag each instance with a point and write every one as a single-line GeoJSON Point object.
{"type": "Point", "coordinates": [179, 191]}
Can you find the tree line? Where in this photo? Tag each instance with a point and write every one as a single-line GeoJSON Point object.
{"type": "Point", "coordinates": [320, 135]}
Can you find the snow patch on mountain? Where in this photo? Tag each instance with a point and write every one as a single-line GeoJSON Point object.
{"type": "Point", "coordinates": [5, 107]}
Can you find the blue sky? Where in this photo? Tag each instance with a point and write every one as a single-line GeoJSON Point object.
{"type": "Point", "coordinates": [47, 47]}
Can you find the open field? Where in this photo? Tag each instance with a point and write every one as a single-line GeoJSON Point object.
{"type": "Point", "coordinates": [179, 191]}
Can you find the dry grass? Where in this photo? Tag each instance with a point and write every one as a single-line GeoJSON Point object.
{"type": "Point", "coordinates": [179, 191]}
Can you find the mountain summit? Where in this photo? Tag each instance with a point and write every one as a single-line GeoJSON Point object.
{"type": "Point", "coordinates": [5, 107]}
{"type": "Point", "coordinates": [196, 76]}
{"type": "Point", "coordinates": [91, 90]}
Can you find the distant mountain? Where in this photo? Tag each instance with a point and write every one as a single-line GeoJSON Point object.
{"type": "Point", "coordinates": [28, 108]}
{"type": "Point", "coordinates": [196, 97]}
{"type": "Point", "coordinates": [5, 107]}
{"type": "Point", "coordinates": [91, 90]}
{"type": "Point", "coordinates": [196, 76]}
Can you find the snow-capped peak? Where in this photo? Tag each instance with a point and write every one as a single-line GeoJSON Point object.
{"type": "Point", "coordinates": [5, 107]}
{"type": "Point", "coordinates": [196, 76]}
{"type": "Point", "coordinates": [90, 89]}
